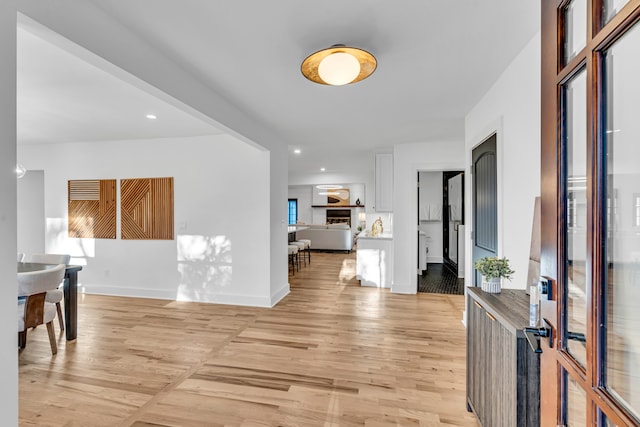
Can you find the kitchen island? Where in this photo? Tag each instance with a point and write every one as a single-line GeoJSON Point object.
{"type": "Point", "coordinates": [374, 259]}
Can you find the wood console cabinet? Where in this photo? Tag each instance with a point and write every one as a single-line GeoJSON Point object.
{"type": "Point", "coordinates": [503, 373]}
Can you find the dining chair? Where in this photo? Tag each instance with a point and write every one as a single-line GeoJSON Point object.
{"type": "Point", "coordinates": [33, 310]}
{"type": "Point", "coordinates": [56, 295]}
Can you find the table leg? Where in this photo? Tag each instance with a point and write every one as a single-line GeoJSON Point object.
{"type": "Point", "coordinates": [71, 305]}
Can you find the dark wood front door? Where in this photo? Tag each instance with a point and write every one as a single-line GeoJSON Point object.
{"type": "Point", "coordinates": [484, 202]}
{"type": "Point", "coordinates": [590, 209]}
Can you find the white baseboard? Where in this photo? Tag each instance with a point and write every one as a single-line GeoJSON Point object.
{"type": "Point", "coordinates": [127, 292]}
{"type": "Point", "coordinates": [214, 298]}
{"type": "Point", "coordinates": [280, 294]}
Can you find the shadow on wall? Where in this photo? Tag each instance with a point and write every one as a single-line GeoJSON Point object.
{"type": "Point", "coordinates": [204, 264]}
{"type": "Point", "coordinates": [57, 237]}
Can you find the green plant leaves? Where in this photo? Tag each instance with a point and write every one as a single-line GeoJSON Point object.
{"type": "Point", "coordinates": [494, 267]}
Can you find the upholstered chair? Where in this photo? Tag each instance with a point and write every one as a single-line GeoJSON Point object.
{"type": "Point", "coordinates": [56, 295]}
{"type": "Point", "coordinates": [33, 310]}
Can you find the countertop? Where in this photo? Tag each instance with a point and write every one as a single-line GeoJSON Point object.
{"type": "Point", "coordinates": [366, 234]}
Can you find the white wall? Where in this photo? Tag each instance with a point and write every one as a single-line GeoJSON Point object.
{"type": "Point", "coordinates": [31, 220]}
{"type": "Point", "coordinates": [408, 160]}
{"type": "Point", "coordinates": [512, 109]}
{"type": "Point", "coordinates": [8, 293]}
{"type": "Point", "coordinates": [221, 211]}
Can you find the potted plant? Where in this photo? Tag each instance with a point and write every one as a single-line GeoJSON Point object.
{"type": "Point", "coordinates": [493, 270]}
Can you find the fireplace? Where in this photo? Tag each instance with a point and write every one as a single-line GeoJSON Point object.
{"type": "Point", "coordinates": [335, 216]}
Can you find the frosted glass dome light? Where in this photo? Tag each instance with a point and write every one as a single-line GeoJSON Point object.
{"type": "Point", "coordinates": [339, 69]}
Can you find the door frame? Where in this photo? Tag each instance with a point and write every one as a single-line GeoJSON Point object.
{"type": "Point", "coordinates": [412, 219]}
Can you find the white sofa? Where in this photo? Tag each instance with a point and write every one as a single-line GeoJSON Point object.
{"type": "Point", "coordinates": [334, 237]}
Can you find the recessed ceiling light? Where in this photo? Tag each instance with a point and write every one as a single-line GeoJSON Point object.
{"type": "Point", "coordinates": [328, 186]}
{"type": "Point", "coordinates": [297, 151]}
{"type": "Point", "coordinates": [322, 169]}
{"type": "Point", "coordinates": [151, 116]}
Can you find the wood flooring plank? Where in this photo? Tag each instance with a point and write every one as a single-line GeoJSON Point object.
{"type": "Point", "coordinates": [331, 353]}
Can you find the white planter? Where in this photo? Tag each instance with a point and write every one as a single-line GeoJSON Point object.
{"type": "Point", "coordinates": [492, 285]}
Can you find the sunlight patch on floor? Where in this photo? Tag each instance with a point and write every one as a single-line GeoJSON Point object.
{"type": "Point", "coordinates": [347, 271]}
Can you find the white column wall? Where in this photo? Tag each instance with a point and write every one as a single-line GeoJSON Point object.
{"type": "Point", "coordinates": [408, 160]}
{"type": "Point", "coordinates": [221, 218]}
{"type": "Point", "coordinates": [8, 225]}
{"type": "Point", "coordinates": [31, 219]}
{"type": "Point", "coordinates": [512, 109]}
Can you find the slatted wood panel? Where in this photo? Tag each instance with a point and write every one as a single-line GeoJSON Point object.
{"type": "Point", "coordinates": [92, 208]}
{"type": "Point", "coordinates": [332, 353]}
{"type": "Point", "coordinates": [146, 208]}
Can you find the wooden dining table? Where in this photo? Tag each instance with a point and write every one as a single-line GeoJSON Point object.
{"type": "Point", "coordinates": [70, 290]}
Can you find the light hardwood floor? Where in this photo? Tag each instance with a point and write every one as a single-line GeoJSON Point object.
{"type": "Point", "coordinates": [331, 353]}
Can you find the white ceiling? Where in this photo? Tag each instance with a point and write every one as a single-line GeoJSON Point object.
{"type": "Point", "coordinates": [62, 98]}
{"type": "Point", "coordinates": [435, 61]}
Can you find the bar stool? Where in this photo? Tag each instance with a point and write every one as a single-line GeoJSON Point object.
{"type": "Point", "coordinates": [293, 256]}
{"type": "Point", "coordinates": [307, 247]}
{"type": "Point", "coordinates": [301, 247]}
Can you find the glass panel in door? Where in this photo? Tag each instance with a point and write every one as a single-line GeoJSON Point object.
{"type": "Point", "coordinates": [576, 403]}
{"type": "Point", "coordinates": [610, 8]}
{"type": "Point", "coordinates": [575, 29]}
{"type": "Point", "coordinates": [575, 142]}
{"type": "Point", "coordinates": [622, 255]}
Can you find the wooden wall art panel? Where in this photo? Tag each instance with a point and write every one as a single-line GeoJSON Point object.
{"type": "Point", "coordinates": [92, 208]}
{"type": "Point", "coordinates": [146, 208]}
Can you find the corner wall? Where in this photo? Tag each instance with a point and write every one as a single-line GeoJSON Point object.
{"type": "Point", "coordinates": [8, 223]}
{"type": "Point", "coordinates": [221, 251]}
{"type": "Point", "coordinates": [512, 109]}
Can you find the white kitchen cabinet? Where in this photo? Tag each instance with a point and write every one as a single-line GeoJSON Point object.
{"type": "Point", "coordinates": [384, 182]}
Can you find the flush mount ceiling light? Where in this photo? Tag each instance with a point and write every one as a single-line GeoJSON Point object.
{"type": "Point", "coordinates": [338, 65]}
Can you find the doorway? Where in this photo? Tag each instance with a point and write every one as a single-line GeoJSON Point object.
{"type": "Point", "coordinates": [440, 223]}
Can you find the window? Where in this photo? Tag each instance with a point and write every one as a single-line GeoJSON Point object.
{"type": "Point", "coordinates": [293, 211]}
